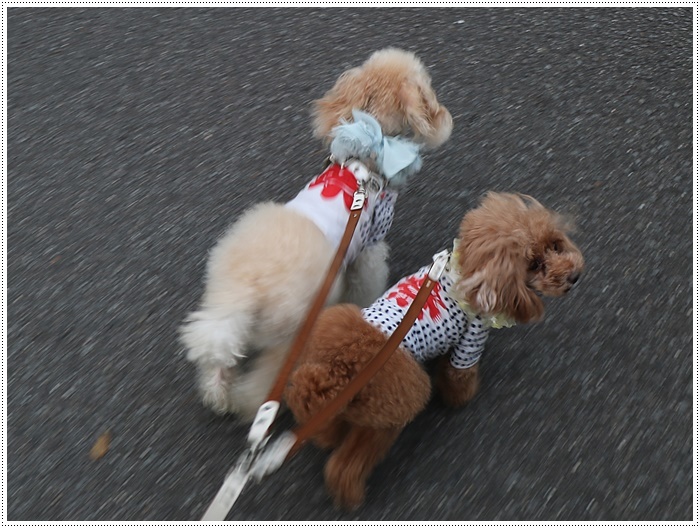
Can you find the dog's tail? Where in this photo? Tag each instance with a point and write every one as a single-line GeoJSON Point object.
{"type": "Point", "coordinates": [215, 342]}
{"type": "Point", "coordinates": [215, 339]}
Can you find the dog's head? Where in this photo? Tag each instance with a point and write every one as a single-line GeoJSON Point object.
{"type": "Point", "coordinates": [394, 87]}
{"type": "Point", "coordinates": [511, 249]}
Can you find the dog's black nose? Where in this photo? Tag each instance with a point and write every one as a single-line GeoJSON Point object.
{"type": "Point", "coordinates": [573, 278]}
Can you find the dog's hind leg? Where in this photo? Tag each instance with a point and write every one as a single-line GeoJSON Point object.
{"type": "Point", "coordinates": [350, 465]}
{"type": "Point", "coordinates": [213, 383]}
{"type": "Point", "coordinates": [253, 384]}
{"type": "Point", "coordinates": [215, 342]}
{"type": "Point", "coordinates": [341, 344]}
{"type": "Point", "coordinates": [357, 450]}
{"type": "Point", "coordinates": [333, 434]}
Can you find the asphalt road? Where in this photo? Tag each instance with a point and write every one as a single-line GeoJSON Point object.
{"type": "Point", "coordinates": [136, 136]}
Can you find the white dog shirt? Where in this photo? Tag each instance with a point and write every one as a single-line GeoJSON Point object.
{"type": "Point", "coordinates": [442, 326]}
{"type": "Point", "coordinates": [326, 201]}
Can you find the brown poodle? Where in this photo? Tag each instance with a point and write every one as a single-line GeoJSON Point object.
{"type": "Point", "coordinates": [510, 250]}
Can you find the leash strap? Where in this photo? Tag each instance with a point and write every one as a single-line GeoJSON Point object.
{"type": "Point", "coordinates": [268, 411]}
{"type": "Point", "coordinates": [297, 346]}
{"type": "Point", "coordinates": [229, 491]}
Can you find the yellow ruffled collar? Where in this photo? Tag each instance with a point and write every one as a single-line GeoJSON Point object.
{"type": "Point", "coordinates": [491, 321]}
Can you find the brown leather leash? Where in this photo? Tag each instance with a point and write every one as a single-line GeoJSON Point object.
{"type": "Point", "coordinates": [320, 300]}
{"type": "Point", "coordinates": [268, 410]}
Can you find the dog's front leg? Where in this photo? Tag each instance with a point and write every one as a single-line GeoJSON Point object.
{"type": "Point", "coordinates": [457, 387]}
{"type": "Point", "coordinates": [366, 277]}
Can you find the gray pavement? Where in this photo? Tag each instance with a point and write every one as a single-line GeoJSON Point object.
{"type": "Point", "coordinates": [136, 136]}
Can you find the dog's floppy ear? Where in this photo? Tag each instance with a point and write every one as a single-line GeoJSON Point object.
{"type": "Point", "coordinates": [337, 104]}
{"type": "Point", "coordinates": [493, 263]}
{"type": "Point", "coordinates": [429, 120]}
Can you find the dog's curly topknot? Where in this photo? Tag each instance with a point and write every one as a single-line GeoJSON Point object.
{"type": "Point", "coordinates": [395, 88]}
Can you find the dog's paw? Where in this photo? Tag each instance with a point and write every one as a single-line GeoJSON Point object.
{"type": "Point", "coordinates": [347, 490]}
{"type": "Point", "coordinates": [457, 387]}
{"type": "Point", "coordinates": [214, 389]}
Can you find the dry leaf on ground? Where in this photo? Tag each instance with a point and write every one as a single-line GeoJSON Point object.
{"type": "Point", "coordinates": [101, 446]}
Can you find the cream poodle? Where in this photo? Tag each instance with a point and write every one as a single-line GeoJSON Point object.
{"type": "Point", "coordinates": [510, 251]}
{"type": "Point", "coordinates": [263, 274]}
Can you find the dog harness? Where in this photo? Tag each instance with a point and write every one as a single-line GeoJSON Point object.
{"type": "Point", "coordinates": [445, 324]}
{"type": "Point", "coordinates": [326, 201]}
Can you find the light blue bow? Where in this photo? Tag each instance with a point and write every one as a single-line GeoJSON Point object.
{"type": "Point", "coordinates": [396, 158]}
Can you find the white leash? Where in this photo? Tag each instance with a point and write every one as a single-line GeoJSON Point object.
{"type": "Point", "coordinates": [253, 463]}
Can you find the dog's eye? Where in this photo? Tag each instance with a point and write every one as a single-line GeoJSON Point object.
{"type": "Point", "coordinates": [536, 264]}
{"type": "Point", "coordinates": [556, 246]}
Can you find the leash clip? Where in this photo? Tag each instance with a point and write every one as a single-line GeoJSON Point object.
{"type": "Point", "coordinates": [440, 261]}
{"type": "Point", "coordinates": [358, 199]}
{"type": "Point", "coordinates": [271, 458]}
{"type": "Point", "coordinates": [263, 421]}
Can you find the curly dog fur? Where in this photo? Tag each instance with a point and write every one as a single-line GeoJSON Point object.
{"type": "Point", "coordinates": [395, 88]}
{"type": "Point", "coordinates": [510, 250]}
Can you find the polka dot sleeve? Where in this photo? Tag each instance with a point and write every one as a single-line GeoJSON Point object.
{"type": "Point", "coordinates": [467, 352]}
{"type": "Point", "coordinates": [382, 217]}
